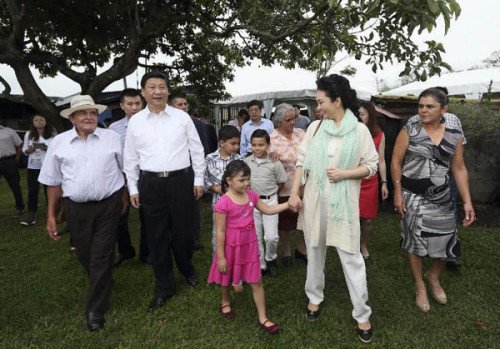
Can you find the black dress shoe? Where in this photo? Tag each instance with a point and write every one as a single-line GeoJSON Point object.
{"type": "Point", "coordinates": [95, 321]}
{"type": "Point", "coordinates": [286, 261]}
{"type": "Point", "coordinates": [192, 280]}
{"type": "Point", "coordinates": [197, 245]}
{"type": "Point", "coordinates": [272, 266]}
{"type": "Point", "coordinates": [299, 255]}
{"type": "Point", "coordinates": [365, 336]}
{"type": "Point", "coordinates": [156, 304]}
{"type": "Point", "coordinates": [145, 259]}
{"type": "Point", "coordinates": [312, 315]}
{"type": "Point", "coordinates": [122, 258]}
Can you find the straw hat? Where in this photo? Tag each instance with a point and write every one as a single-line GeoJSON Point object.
{"type": "Point", "coordinates": [81, 102]}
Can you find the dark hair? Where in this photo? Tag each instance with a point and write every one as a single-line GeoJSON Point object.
{"type": "Point", "coordinates": [232, 170]}
{"type": "Point", "coordinates": [338, 86]}
{"type": "Point", "coordinates": [129, 92]}
{"type": "Point", "coordinates": [372, 123]}
{"type": "Point", "coordinates": [227, 132]}
{"type": "Point", "coordinates": [174, 97]}
{"type": "Point", "coordinates": [435, 93]}
{"type": "Point", "coordinates": [153, 75]}
{"type": "Point", "coordinates": [48, 131]}
{"type": "Point", "coordinates": [244, 113]}
{"type": "Point", "coordinates": [445, 90]}
{"type": "Point", "coordinates": [254, 102]}
{"type": "Point", "coordinates": [261, 134]}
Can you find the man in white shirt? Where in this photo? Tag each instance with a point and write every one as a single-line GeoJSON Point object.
{"type": "Point", "coordinates": [256, 122]}
{"type": "Point", "coordinates": [84, 167]}
{"type": "Point", "coordinates": [161, 144]}
{"type": "Point", "coordinates": [130, 103]}
{"type": "Point", "coordinates": [10, 155]}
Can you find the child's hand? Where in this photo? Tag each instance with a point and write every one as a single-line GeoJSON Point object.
{"type": "Point", "coordinates": [222, 266]}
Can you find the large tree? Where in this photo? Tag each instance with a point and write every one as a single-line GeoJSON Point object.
{"type": "Point", "coordinates": [96, 42]}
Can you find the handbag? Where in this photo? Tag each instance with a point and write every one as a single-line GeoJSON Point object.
{"type": "Point", "coordinates": [302, 186]}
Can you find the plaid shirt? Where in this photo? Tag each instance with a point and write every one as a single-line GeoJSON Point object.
{"type": "Point", "coordinates": [214, 171]}
{"type": "Point", "coordinates": [450, 121]}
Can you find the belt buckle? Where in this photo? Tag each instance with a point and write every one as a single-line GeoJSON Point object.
{"type": "Point", "coordinates": [163, 174]}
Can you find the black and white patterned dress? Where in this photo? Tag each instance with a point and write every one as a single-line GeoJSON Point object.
{"type": "Point", "coordinates": [429, 227]}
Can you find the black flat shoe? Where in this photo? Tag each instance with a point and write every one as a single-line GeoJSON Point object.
{"type": "Point", "coordinates": [95, 321]}
{"type": "Point", "coordinates": [272, 267]}
{"type": "Point", "coordinates": [365, 336]}
{"type": "Point", "coordinates": [156, 304]}
{"type": "Point", "coordinates": [299, 255]}
{"type": "Point", "coordinates": [192, 280]}
{"type": "Point", "coordinates": [312, 315]}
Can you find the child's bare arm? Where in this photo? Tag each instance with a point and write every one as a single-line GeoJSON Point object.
{"type": "Point", "coordinates": [220, 238]}
{"type": "Point", "coordinates": [270, 210]}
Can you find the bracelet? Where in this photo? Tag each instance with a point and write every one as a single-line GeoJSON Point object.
{"type": "Point", "coordinates": [383, 182]}
{"type": "Point", "coordinates": [397, 181]}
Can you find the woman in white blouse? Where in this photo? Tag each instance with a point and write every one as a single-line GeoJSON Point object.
{"type": "Point", "coordinates": [36, 142]}
{"type": "Point", "coordinates": [336, 153]}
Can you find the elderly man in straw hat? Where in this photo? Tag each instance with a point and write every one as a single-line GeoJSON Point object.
{"type": "Point", "coordinates": [83, 166]}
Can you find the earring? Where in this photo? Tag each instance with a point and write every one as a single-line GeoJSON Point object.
{"type": "Point", "coordinates": [443, 120]}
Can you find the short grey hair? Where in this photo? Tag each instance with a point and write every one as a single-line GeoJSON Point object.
{"type": "Point", "coordinates": [281, 109]}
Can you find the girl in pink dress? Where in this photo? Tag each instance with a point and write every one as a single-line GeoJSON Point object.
{"type": "Point", "coordinates": [237, 251]}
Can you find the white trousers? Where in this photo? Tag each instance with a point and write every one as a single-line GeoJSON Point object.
{"type": "Point", "coordinates": [353, 266]}
{"type": "Point", "coordinates": [267, 226]}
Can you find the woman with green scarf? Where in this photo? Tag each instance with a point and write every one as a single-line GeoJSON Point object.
{"type": "Point", "coordinates": [335, 155]}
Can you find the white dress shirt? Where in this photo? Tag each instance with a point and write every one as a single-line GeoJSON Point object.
{"type": "Point", "coordinates": [120, 127]}
{"type": "Point", "coordinates": [35, 159]}
{"type": "Point", "coordinates": [162, 142]}
{"type": "Point", "coordinates": [9, 140]}
{"type": "Point", "coordinates": [87, 170]}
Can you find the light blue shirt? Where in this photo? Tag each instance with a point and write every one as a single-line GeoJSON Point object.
{"type": "Point", "coordinates": [246, 132]}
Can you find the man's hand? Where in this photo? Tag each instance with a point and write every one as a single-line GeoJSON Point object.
{"type": "Point", "coordinates": [134, 201]}
{"type": "Point", "coordinates": [198, 191]}
{"type": "Point", "coordinates": [52, 228]}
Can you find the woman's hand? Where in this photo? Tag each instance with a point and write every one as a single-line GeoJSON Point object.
{"type": "Point", "coordinates": [399, 204]}
{"type": "Point", "coordinates": [470, 216]}
{"type": "Point", "coordinates": [222, 265]}
{"type": "Point", "coordinates": [294, 202]}
{"type": "Point", "coordinates": [29, 150]}
{"type": "Point", "coordinates": [385, 191]}
{"type": "Point", "coordinates": [274, 156]}
{"type": "Point", "coordinates": [335, 175]}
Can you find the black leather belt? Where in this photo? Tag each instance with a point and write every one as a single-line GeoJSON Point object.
{"type": "Point", "coordinates": [266, 197]}
{"type": "Point", "coordinates": [166, 174]}
{"type": "Point", "coordinates": [10, 157]}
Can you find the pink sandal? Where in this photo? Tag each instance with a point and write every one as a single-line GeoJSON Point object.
{"type": "Point", "coordinates": [230, 314]}
{"type": "Point", "coordinates": [270, 329]}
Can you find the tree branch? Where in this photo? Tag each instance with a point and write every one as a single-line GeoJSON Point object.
{"type": "Point", "coordinates": [7, 88]}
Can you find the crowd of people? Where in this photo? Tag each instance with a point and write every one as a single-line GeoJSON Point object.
{"type": "Point", "coordinates": [321, 180]}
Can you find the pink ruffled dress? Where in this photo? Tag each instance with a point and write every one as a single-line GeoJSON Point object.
{"type": "Point", "coordinates": [241, 246]}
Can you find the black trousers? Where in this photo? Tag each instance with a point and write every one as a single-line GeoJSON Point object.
{"type": "Point", "coordinates": [92, 227]}
{"type": "Point", "coordinates": [124, 243]}
{"type": "Point", "coordinates": [8, 169]}
{"type": "Point", "coordinates": [34, 189]}
{"type": "Point", "coordinates": [167, 205]}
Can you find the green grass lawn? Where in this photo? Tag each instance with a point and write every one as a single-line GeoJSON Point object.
{"type": "Point", "coordinates": [42, 291]}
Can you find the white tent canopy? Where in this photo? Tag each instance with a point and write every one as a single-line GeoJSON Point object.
{"type": "Point", "coordinates": [471, 83]}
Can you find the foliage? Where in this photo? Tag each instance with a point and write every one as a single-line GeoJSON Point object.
{"type": "Point", "coordinates": [43, 291]}
{"type": "Point", "coordinates": [200, 42]}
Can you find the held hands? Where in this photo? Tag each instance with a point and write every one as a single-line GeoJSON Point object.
{"type": "Point", "coordinates": [294, 202]}
{"type": "Point", "coordinates": [335, 175]}
{"type": "Point", "coordinates": [470, 216]}
{"type": "Point", "coordinates": [400, 205]}
{"type": "Point", "coordinates": [222, 265]}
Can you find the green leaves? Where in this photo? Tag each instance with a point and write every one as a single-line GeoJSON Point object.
{"type": "Point", "coordinates": [433, 6]}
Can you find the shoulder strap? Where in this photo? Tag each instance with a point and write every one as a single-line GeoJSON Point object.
{"type": "Point", "coordinates": [317, 128]}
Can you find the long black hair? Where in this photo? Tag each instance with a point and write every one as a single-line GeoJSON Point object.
{"type": "Point", "coordinates": [338, 86]}
{"type": "Point", "coordinates": [48, 131]}
{"type": "Point", "coordinates": [232, 170]}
